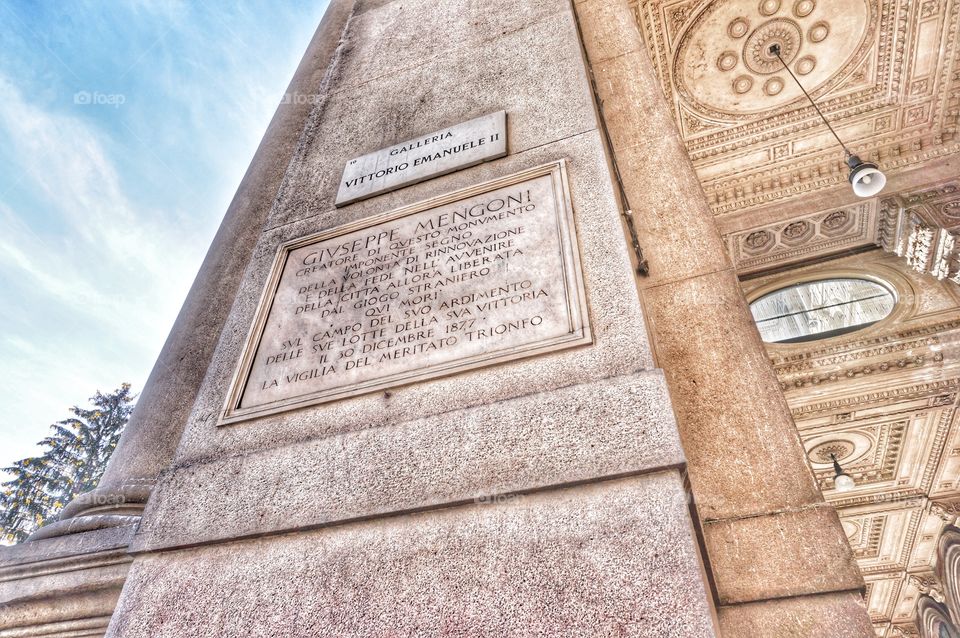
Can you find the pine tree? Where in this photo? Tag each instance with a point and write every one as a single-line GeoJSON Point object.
{"type": "Point", "coordinates": [76, 455]}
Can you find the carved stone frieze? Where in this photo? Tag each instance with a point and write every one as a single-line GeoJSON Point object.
{"type": "Point", "coordinates": [860, 371]}
{"type": "Point", "coordinates": [923, 227]}
{"type": "Point", "coordinates": [804, 238]}
{"type": "Point", "coordinates": [937, 392]}
{"type": "Point", "coordinates": [854, 349]}
{"type": "Point", "coordinates": [853, 356]}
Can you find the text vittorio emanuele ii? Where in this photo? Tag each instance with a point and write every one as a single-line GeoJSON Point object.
{"type": "Point", "coordinates": [442, 284]}
{"type": "Point", "coordinates": [426, 157]}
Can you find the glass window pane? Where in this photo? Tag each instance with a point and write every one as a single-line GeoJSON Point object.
{"type": "Point", "coordinates": [820, 309]}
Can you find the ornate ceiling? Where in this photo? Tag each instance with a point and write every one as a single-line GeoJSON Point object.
{"type": "Point", "coordinates": [884, 400]}
{"type": "Point", "coordinates": [886, 73]}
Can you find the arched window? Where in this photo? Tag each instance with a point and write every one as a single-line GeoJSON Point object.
{"type": "Point", "coordinates": [820, 309]}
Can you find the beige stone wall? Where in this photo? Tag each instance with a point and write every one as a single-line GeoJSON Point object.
{"type": "Point", "coordinates": [581, 561]}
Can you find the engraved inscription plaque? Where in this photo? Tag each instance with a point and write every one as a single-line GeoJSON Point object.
{"type": "Point", "coordinates": [468, 279]}
{"type": "Point", "coordinates": [438, 153]}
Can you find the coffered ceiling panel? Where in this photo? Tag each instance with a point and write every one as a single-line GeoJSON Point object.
{"type": "Point", "coordinates": [946, 482]}
{"type": "Point", "coordinates": [882, 536]}
{"type": "Point", "coordinates": [883, 401]}
{"type": "Point", "coordinates": [883, 71]}
{"type": "Point", "coordinates": [882, 593]}
{"type": "Point", "coordinates": [889, 457]}
{"type": "Point", "coordinates": [797, 239]}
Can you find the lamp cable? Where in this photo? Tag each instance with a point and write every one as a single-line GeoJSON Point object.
{"type": "Point", "coordinates": [775, 49]}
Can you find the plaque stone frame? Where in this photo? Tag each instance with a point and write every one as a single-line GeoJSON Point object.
{"type": "Point", "coordinates": [577, 332]}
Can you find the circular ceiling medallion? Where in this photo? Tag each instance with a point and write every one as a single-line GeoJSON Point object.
{"type": "Point", "coordinates": [727, 60]}
{"type": "Point", "coordinates": [806, 65]}
{"type": "Point", "coordinates": [773, 86]}
{"type": "Point", "coordinates": [756, 50]}
{"type": "Point", "coordinates": [849, 447]}
{"type": "Point", "coordinates": [743, 84]}
{"type": "Point", "coordinates": [803, 8]}
{"type": "Point", "coordinates": [738, 28]}
{"type": "Point", "coordinates": [819, 32]}
{"type": "Point", "coordinates": [769, 7]}
{"type": "Point", "coordinates": [835, 36]}
{"type": "Point", "coordinates": [952, 210]}
{"type": "Point", "coordinates": [839, 448]}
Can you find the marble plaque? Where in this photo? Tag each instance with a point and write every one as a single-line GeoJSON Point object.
{"type": "Point", "coordinates": [432, 155]}
{"type": "Point", "coordinates": [468, 279]}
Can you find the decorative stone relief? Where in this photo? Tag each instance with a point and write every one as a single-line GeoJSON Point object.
{"type": "Point", "coordinates": [923, 227]}
{"type": "Point", "coordinates": [824, 453]}
{"type": "Point", "coordinates": [822, 233]}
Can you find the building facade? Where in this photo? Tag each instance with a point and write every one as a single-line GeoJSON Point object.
{"type": "Point", "coordinates": [552, 318]}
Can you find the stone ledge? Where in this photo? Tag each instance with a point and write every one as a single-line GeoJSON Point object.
{"type": "Point", "coordinates": [17, 557]}
{"type": "Point", "coordinates": [614, 427]}
{"type": "Point", "coordinates": [63, 586]}
{"type": "Point", "coordinates": [838, 615]}
{"type": "Point", "coordinates": [780, 555]}
{"type": "Point", "coordinates": [94, 627]}
{"type": "Point", "coordinates": [77, 615]}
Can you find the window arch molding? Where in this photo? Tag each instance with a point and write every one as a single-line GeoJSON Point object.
{"type": "Point", "coordinates": [904, 298]}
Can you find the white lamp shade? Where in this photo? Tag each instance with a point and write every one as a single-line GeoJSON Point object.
{"type": "Point", "coordinates": [867, 180]}
{"type": "Point", "coordinates": [844, 483]}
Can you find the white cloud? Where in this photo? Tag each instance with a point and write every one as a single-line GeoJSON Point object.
{"type": "Point", "coordinates": [116, 262]}
{"type": "Point", "coordinates": [105, 213]}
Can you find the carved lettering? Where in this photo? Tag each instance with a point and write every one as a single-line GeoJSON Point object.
{"type": "Point", "coordinates": [491, 276]}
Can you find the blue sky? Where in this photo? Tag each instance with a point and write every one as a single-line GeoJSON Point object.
{"type": "Point", "coordinates": [125, 128]}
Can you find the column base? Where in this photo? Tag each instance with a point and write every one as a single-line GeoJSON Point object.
{"type": "Point", "coordinates": [66, 586]}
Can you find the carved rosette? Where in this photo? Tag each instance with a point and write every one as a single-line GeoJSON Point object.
{"type": "Point", "coordinates": [723, 67]}
{"type": "Point", "coordinates": [786, 242]}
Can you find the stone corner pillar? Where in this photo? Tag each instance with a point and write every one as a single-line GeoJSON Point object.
{"type": "Point", "coordinates": [775, 551]}
{"type": "Point", "coordinates": [538, 493]}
